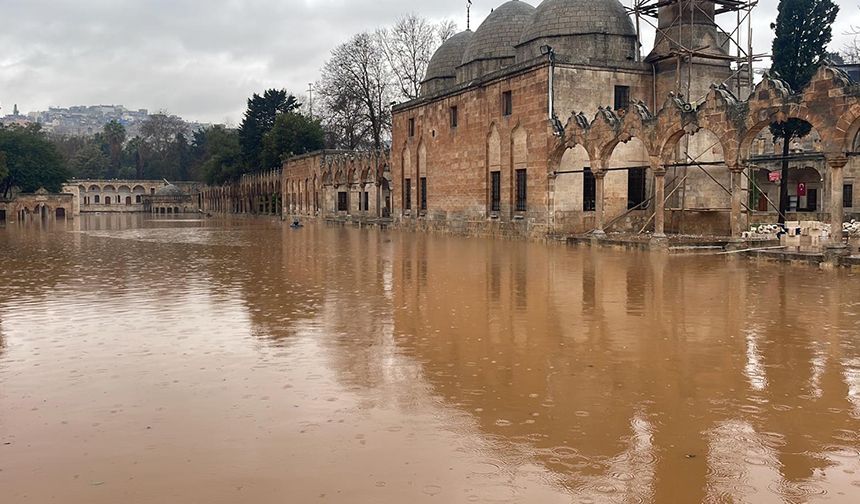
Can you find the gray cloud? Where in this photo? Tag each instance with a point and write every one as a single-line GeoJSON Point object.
{"type": "Point", "coordinates": [202, 60]}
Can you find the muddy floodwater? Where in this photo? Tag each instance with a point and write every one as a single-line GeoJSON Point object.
{"type": "Point", "coordinates": [239, 361]}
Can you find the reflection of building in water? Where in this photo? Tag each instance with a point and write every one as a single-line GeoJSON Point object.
{"type": "Point", "coordinates": [129, 196]}
{"type": "Point", "coordinates": [600, 374]}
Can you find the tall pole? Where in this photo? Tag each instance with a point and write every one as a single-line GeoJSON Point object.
{"type": "Point", "coordinates": [468, 14]}
{"type": "Point", "coordinates": [311, 98]}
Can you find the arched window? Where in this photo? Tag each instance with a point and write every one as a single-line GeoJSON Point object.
{"type": "Point", "coordinates": [137, 199]}
{"type": "Point", "coordinates": [96, 199]}
{"type": "Point", "coordinates": [107, 200]}
{"type": "Point", "coordinates": [128, 200]}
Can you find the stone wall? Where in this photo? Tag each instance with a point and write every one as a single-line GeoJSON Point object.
{"type": "Point", "coordinates": [118, 196]}
{"type": "Point", "coordinates": [40, 206]}
{"type": "Point", "coordinates": [340, 184]}
{"type": "Point", "coordinates": [458, 161]}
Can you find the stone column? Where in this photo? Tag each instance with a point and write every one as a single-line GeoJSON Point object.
{"type": "Point", "coordinates": [737, 201]}
{"type": "Point", "coordinates": [659, 197]}
{"type": "Point", "coordinates": [599, 176]}
{"type": "Point", "coordinates": [837, 209]}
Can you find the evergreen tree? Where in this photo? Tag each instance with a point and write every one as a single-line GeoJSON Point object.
{"type": "Point", "coordinates": [90, 163]}
{"type": "Point", "coordinates": [803, 30]}
{"type": "Point", "coordinates": [31, 161]}
{"type": "Point", "coordinates": [114, 136]}
{"type": "Point", "coordinates": [292, 135]}
{"type": "Point", "coordinates": [220, 155]}
{"type": "Point", "coordinates": [259, 120]}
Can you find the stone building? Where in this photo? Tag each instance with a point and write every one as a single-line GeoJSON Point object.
{"type": "Point", "coordinates": [119, 196]}
{"type": "Point", "coordinates": [549, 120]}
{"type": "Point", "coordinates": [338, 184]}
{"type": "Point", "coordinates": [552, 120]}
{"type": "Point", "coordinates": [168, 199]}
{"type": "Point", "coordinates": [39, 206]}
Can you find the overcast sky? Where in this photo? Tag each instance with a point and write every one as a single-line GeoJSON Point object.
{"type": "Point", "coordinates": [202, 59]}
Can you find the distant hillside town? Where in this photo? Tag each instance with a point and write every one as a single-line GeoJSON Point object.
{"type": "Point", "coordinates": [84, 120]}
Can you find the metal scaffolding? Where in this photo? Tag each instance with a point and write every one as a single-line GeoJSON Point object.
{"type": "Point", "coordinates": [733, 21]}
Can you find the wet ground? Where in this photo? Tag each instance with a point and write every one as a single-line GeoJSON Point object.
{"type": "Point", "coordinates": [210, 361]}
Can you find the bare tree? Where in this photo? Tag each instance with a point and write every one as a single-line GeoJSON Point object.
{"type": "Point", "coordinates": [851, 50]}
{"type": "Point", "coordinates": [409, 44]}
{"type": "Point", "coordinates": [445, 30]}
{"type": "Point", "coordinates": [356, 80]}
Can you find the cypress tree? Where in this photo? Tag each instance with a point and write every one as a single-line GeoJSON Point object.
{"type": "Point", "coordinates": [803, 30]}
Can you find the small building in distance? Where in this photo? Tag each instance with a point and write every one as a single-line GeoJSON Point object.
{"type": "Point", "coordinates": [122, 196]}
{"type": "Point", "coordinates": [169, 199]}
{"type": "Point", "coordinates": [38, 206]}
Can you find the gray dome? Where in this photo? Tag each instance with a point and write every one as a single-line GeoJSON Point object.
{"type": "Point", "coordinates": [559, 18]}
{"type": "Point", "coordinates": [169, 190]}
{"type": "Point", "coordinates": [446, 59]}
{"type": "Point", "coordinates": [500, 32]}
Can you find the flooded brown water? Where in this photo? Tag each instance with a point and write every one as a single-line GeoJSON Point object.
{"type": "Point", "coordinates": [192, 361]}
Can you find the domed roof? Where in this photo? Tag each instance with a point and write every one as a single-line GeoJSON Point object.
{"type": "Point", "coordinates": [500, 32]}
{"type": "Point", "coordinates": [169, 190]}
{"type": "Point", "coordinates": [559, 18]}
{"type": "Point", "coordinates": [447, 58]}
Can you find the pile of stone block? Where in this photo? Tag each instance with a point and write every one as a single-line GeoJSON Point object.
{"type": "Point", "coordinates": [805, 234]}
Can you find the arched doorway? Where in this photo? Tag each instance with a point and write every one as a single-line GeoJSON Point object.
{"type": "Point", "coordinates": [573, 192]}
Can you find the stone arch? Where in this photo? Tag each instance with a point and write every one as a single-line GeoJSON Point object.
{"type": "Point", "coordinates": [315, 204]}
{"type": "Point", "coordinates": [519, 164]}
{"type": "Point", "coordinates": [570, 211]}
{"type": "Point", "coordinates": [851, 118]}
{"type": "Point", "coordinates": [626, 182]}
{"type": "Point", "coordinates": [406, 173]}
{"type": "Point", "coordinates": [422, 180]}
{"type": "Point", "coordinates": [766, 118]}
{"type": "Point", "coordinates": [494, 173]}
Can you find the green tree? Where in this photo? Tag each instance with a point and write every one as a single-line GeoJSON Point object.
{"type": "Point", "coordinates": [114, 135]}
{"type": "Point", "coordinates": [160, 151]}
{"type": "Point", "coordinates": [4, 170]}
{"type": "Point", "coordinates": [803, 30]}
{"type": "Point", "coordinates": [258, 120]}
{"type": "Point", "coordinates": [221, 155]}
{"type": "Point", "coordinates": [31, 161]}
{"type": "Point", "coordinates": [134, 156]}
{"type": "Point", "coordinates": [293, 134]}
{"type": "Point", "coordinates": [90, 163]}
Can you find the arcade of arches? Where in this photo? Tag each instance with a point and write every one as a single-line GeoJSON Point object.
{"type": "Point", "coordinates": [39, 206]}
{"type": "Point", "coordinates": [125, 196]}
{"type": "Point", "coordinates": [331, 184]}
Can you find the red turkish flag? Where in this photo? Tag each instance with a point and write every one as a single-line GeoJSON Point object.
{"type": "Point", "coordinates": [801, 189]}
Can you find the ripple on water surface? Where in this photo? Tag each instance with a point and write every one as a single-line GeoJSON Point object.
{"type": "Point", "coordinates": [230, 361]}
